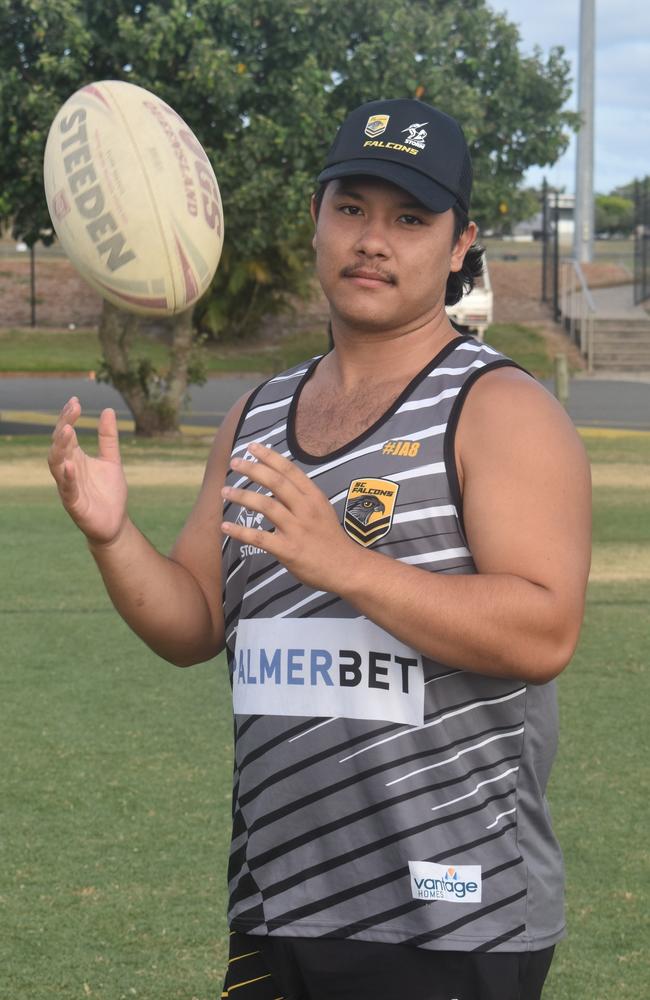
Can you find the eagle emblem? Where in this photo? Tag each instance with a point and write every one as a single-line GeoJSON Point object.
{"type": "Point", "coordinates": [369, 508]}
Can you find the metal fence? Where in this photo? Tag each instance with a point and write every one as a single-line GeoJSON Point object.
{"type": "Point", "coordinates": [550, 200]}
{"type": "Point", "coordinates": [642, 240]}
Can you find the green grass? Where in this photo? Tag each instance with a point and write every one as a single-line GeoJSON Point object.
{"type": "Point", "coordinates": [617, 446]}
{"type": "Point", "coordinates": [61, 351]}
{"type": "Point", "coordinates": [524, 345]}
{"type": "Point", "coordinates": [598, 796]}
{"type": "Point", "coordinates": [79, 351]}
{"type": "Point", "coordinates": [190, 448]}
{"type": "Point", "coordinates": [116, 778]}
{"type": "Point", "coordinates": [618, 251]}
{"type": "Point", "coordinates": [621, 515]}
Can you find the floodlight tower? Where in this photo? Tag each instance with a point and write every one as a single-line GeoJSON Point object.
{"type": "Point", "coordinates": [583, 239]}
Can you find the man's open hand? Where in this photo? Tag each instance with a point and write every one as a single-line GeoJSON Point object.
{"type": "Point", "coordinates": [308, 538]}
{"type": "Point", "coordinates": [92, 490]}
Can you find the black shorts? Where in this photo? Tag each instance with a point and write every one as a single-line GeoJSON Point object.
{"type": "Point", "coordinates": [270, 968]}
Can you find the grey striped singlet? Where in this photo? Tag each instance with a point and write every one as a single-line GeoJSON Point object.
{"type": "Point", "coordinates": [379, 795]}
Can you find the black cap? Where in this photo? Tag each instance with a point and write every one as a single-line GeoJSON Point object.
{"type": "Point", "coordinates": [408, 143]}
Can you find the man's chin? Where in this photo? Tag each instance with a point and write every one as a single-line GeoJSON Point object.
{"type": "Point", "coordinates": [361, 322]}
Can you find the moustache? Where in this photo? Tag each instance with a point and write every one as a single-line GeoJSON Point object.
{"type": "Point", "coordinates": [356, 270]}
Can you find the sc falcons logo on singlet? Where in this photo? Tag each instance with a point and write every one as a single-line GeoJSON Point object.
{"type": "Point", "coordinates": [369, 509]}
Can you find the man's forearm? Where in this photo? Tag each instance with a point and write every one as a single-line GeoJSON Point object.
{"type": "Point", "coordinates": [158, 598]}
{"type": "Point", "coordinates": [495, 624]}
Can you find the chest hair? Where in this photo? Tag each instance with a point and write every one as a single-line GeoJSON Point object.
{"type": "Point", "coordinates": [328, 419]}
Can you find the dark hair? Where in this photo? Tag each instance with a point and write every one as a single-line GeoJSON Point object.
{"type": "Point", "coordinates": [463, 281]}
{"type": "Point", "coordinates": [458, 282]}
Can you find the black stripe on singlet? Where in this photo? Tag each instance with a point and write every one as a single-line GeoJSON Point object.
{"type": "Point", "coordinates": [356, 779]}
{"type": "Point", "coordinates": [316, 758]}
{"type": "Point", "coordinates": [472, 701]}
{"type": "Point", "coordinates": [256, 611]}
{"type": "Point", "coordinates": [455, 925]}
{"type": "Point", "coordinates": [414, 904]}
{"type": "Point", "coordinates": [501, 939]}
{"type": "Point", "coordinates": [299, 765]}
{"type": "Point", "coordinates": [341, 822]}
{"type": "Point", "coordinates": [283, 737]}
{"type": "Point", "coordinates": [321, 607]}
{"type": "Point", "coordinates": [377, 845]}
{"type": "Point", "coordinates": [381, 880]}
{"type": "Point", "coordinates": [421, 502]}
{"type": "Point", "coordinates": [396, 540]}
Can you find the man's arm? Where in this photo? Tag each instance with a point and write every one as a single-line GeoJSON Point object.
{"type": "Point", "coordinates": [173, 603]}
{"type": "Point", "coordinates": [526, 490]}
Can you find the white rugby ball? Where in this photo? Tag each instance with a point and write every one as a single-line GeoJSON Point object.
{"type": "Point", "coordinates": [133, 198]}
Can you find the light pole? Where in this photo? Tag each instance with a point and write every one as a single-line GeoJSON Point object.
{"type": "Point", "coordinates": [583, 239]}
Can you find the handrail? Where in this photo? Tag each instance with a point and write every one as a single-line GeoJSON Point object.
{"type": "Point", "coordinates": [583, 284]}
{"type": "Point", "coordinates": [578, 309]}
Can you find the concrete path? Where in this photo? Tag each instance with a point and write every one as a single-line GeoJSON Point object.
{"type": "Point", "coordinates": [617, 303]}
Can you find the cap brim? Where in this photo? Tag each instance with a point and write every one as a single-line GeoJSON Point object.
{"type": "Point", "coordinates": [428, 192]}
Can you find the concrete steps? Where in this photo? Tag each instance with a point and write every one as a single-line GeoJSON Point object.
{"type": "Point", "coordinates": [621, 345]}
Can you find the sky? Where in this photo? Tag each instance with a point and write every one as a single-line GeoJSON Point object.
{"type": "Point", "coordinates": [622, 84]}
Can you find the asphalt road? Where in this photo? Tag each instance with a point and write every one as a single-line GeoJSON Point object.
{"type": "Point", "coordinates": [29, 405]}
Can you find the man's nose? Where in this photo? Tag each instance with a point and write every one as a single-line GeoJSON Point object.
{"type": "Point", "coordinates": [373, 239]}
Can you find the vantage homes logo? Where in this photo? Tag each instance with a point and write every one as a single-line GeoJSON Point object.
{"type": "Point", "coordinates": [445, 883]}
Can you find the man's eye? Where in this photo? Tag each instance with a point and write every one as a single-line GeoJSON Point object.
{"type": "Point", "coordinates": [350, 209]}
{"type": "Point", "coordinates": [411, 220]}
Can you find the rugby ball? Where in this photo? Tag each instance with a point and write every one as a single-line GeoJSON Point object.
{"type": "Point", "coordinates": [133, 198]}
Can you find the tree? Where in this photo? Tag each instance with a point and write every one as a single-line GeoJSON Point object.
{"type": "Point", "coordinates": [628, 190]}
{"type": "Point", "coordinates": [614, 214]}
{"type": "Point", "coordinates": [263, 83]}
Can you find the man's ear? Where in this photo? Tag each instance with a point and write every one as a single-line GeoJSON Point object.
{"type": "Point", "coordinates": [462, 245]}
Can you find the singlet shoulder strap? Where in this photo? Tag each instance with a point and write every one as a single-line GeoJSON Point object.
{"type": "Point", "coordinates": [271, 390]}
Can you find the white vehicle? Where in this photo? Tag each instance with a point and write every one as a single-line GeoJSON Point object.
{"type": "Point", "coordinates": [474, 311]}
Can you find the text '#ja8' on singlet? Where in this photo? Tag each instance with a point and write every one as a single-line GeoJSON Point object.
{"type": "Point", "coordinates": [379, 795]}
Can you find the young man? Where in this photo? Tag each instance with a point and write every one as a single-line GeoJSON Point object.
{"type": "Point", "coordinates": [403, 552]}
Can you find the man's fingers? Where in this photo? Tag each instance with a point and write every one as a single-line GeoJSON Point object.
{"type": "Point", "coordinates": [275, 511]}
{"type": "Point", "coordinates": [69, 485]}
{"type": "Point", "coordinates": [107, 435]}
{"type": "Point", "coordinates": [277, 484]}
{"type": "Point", "coordinates": [273, 460]}
{"type": "Point", "coordinates": [266, 540]}
{"type": "Point", "coordinates": [69, 413]}
{"type": "Point", "coordinates": [63, 436]}
{"type": "Point", "coordinates": [275, 472]}
{"type": "Point", "coordinates": [63, 444]}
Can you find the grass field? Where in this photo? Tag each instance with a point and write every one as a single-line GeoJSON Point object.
{"type": "Point", "coordinates": [79, 351]}
{"type": "Point", "coordinates": [26, 350]}
{"type": "Point", "coordinates": [116, 778]}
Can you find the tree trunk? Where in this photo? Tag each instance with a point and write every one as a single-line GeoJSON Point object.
{"type": "Point", "coordinates": [154, 400]}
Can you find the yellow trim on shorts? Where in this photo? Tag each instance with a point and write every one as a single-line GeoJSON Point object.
{"type": "Point", "coordinates": [248, 983]}
{"type": "Point", "coordinates": [248, 954]}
